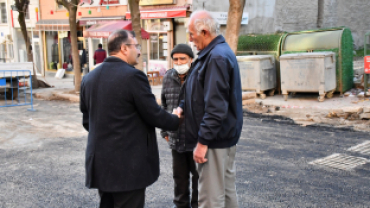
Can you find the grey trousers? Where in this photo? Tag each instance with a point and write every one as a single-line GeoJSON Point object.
{"type": "Point", "coordinates": [217, 179]}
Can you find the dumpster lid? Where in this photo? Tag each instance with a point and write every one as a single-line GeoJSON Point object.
{"type": "Point", "coordinates": [304, 41]}
{"type": "Point", "coordinates": [254, 57]}
{"type": "Point", "coordinates": [309, 55]}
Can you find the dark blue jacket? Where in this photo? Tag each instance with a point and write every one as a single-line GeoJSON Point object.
{"type": "Point", "coordinates": [213, 97]}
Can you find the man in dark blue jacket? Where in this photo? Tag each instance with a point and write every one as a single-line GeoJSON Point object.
{"type": "Point", "coordinates": [120, 113]}
{"type": "Point", "coordinates": [213, 112]}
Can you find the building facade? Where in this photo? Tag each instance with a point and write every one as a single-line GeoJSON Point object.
{"type": "Point", "coordinates": [165, 21]}
{"type": "Point", "coordinates": [270, 16]}
{"type": "Point", "coordinates": [55, 30]}
{"type": "Point", "coordinates": [6, 40]}
{"type": "Point", "coordinates": [19, 52]}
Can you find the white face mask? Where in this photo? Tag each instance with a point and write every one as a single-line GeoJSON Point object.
{"type": "Point", "coordinates": [181, 69]}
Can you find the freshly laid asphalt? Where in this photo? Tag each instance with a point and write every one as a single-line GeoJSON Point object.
{"type": "Point", "coordinates": [273, 164]}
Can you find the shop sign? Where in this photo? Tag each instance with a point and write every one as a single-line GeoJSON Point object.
{"type": "Point", "coordinates": [96, 34]}
{"type": "Point", "coordinates": [367, 64]}
{"type": "Point", "coordinates": [159, 14]}
{"type": "Point", "coordinates": [154, 39]}
{"type": "Point", "coordinates": [221, 17]}
{"type": "Point", "coordinates": [93, 21]}
{"type": "Point", "coordinates": [155, 2]}
{"type": "Point", "coordinates": [162, 26]}
{"type": "Point", "coordinates": [89, 3]}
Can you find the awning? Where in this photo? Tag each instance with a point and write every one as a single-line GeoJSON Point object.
{"type": "Point", "coordinates": [53, 25]}
{"type": "Point", "coordinates": [161, 14]}
{"type": "Point", "coordinates": [103, 30]}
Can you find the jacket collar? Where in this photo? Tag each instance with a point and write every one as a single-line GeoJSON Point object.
{"type": "Point", "coordinates": [219, 39]}
{"type": "Point", "coordinates": [115, 59]}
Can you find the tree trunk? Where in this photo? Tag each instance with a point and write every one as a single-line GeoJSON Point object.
{"type": "Point", "coordinates": [75, 54]}
{"type": "Point", "coordinates": [234, 19]}
{"type": "Point", "coordinates": [22, 8]}
{"type": "Point", "coordinates": [136, 26]}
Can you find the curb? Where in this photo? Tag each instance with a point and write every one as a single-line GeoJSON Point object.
{"type": "Point", "coordinates": [69, 97]}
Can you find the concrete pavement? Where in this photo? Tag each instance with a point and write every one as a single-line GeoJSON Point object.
{"type": "Point", "coordinates": [42, 163]}
{"type": "Point", "coordinates": [303, 108]}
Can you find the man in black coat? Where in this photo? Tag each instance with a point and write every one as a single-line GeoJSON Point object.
{"type": "Point", "coordinates": [120, 113]}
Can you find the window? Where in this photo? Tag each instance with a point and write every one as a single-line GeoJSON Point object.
{"type": "Point", "coordinates": [27, 14]}
{"type": "Point", "coordinates": [3, 14]}
{"type": "Point", "coordinates": [59, 6]}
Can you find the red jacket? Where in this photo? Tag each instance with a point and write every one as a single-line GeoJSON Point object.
{"type": "Point", "coordinates": [100, 55]}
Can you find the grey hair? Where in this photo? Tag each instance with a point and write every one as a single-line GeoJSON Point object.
{"type": "Point", "coordinates": [206, 23]}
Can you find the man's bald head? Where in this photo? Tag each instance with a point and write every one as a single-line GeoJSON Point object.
{"type": "Point", "coordinates": [203, 20]}
{"type": "Point", "coordinates": [117, 38]}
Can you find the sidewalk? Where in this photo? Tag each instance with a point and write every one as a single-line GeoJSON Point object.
{"type": "Point", "coordinates": [63, 89]}
{"type": "Point", "coordinates": [304, 108]}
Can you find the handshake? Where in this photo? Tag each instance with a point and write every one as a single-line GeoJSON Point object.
{"type": "Point", "coordinates": [178, 111]}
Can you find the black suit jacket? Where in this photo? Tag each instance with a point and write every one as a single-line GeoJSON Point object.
{"type": "Point", "coordinates": [121, 113]}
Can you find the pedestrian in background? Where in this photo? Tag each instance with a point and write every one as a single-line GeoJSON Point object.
{"type": "Point", "coordinates": [213, 112]}
{"type": "Point", "coordinates": [183, 164]}
{"type": "Point", "coordinates": [121, 113]}
{"type": "Point", "coordinates": [100, 54]}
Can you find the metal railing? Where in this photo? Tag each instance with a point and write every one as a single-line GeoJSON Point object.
{"type": "Point", "coordinates": [13, 86]}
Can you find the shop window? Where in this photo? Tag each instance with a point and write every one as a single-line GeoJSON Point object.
{"type": "Point", "coordinates": [10, 50]}
{"type": "Point", "coordinates": [3, 14]}
{"type": "Point", "coordinates": [27, 14]}
{"type": "Point", "coordinates": [2, 52]}
{"type": "Point", "coordinates": [52, 50]}
{"type": "Point", "coordinates": [158, 46]}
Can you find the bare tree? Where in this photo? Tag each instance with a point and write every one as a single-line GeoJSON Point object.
{"type": "Point", "coordinates": [136, 26]}
{"type": "Point", "coordinates": [233, 23]}
{"type": "Point", "coordinates": [71, 6]}
{"type": "Point", "coordinates": [22, 7]}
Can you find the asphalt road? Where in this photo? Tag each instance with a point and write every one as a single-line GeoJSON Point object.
{"type": "Point", "coordinates": [42, 163]}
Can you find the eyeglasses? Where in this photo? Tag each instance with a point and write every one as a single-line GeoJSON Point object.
{"type": "Point", "coordinates": [181, 59]}
{"type": "Point", "coordinates": [137, 46]}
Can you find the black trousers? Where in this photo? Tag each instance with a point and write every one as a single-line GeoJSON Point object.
{"type": "Point", "coordinates": [127, 199]}
{"type": "Point", "coordinates": [183, 165]}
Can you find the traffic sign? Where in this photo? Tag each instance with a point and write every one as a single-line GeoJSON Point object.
{"type": "Point", "coordinates": [367, 64]}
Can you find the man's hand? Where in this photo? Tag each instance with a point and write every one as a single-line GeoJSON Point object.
{"type": "Point", "coordinates": [175, 112]}
{"type": "Point", "coordinates": [166, 138]}
{"type": "Point", "coordinates": [200, 153]}
{"type": "Point", "coordinates": [179, 111]}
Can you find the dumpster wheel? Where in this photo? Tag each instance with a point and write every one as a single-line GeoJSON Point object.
{"type": "Point", "coordinates": [285, 97]}
{"type": "Point", "coordinates": [330, 94]}
{"type": "Point", "coordinates": [272, 93]}
{"type": "Point", "coordinates": [321, 98]}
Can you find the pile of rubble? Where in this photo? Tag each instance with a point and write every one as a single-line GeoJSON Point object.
{"type": "Point", "coordinates": [250, 104]}
{"type": "Point", "coordinates": [351, 113]}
